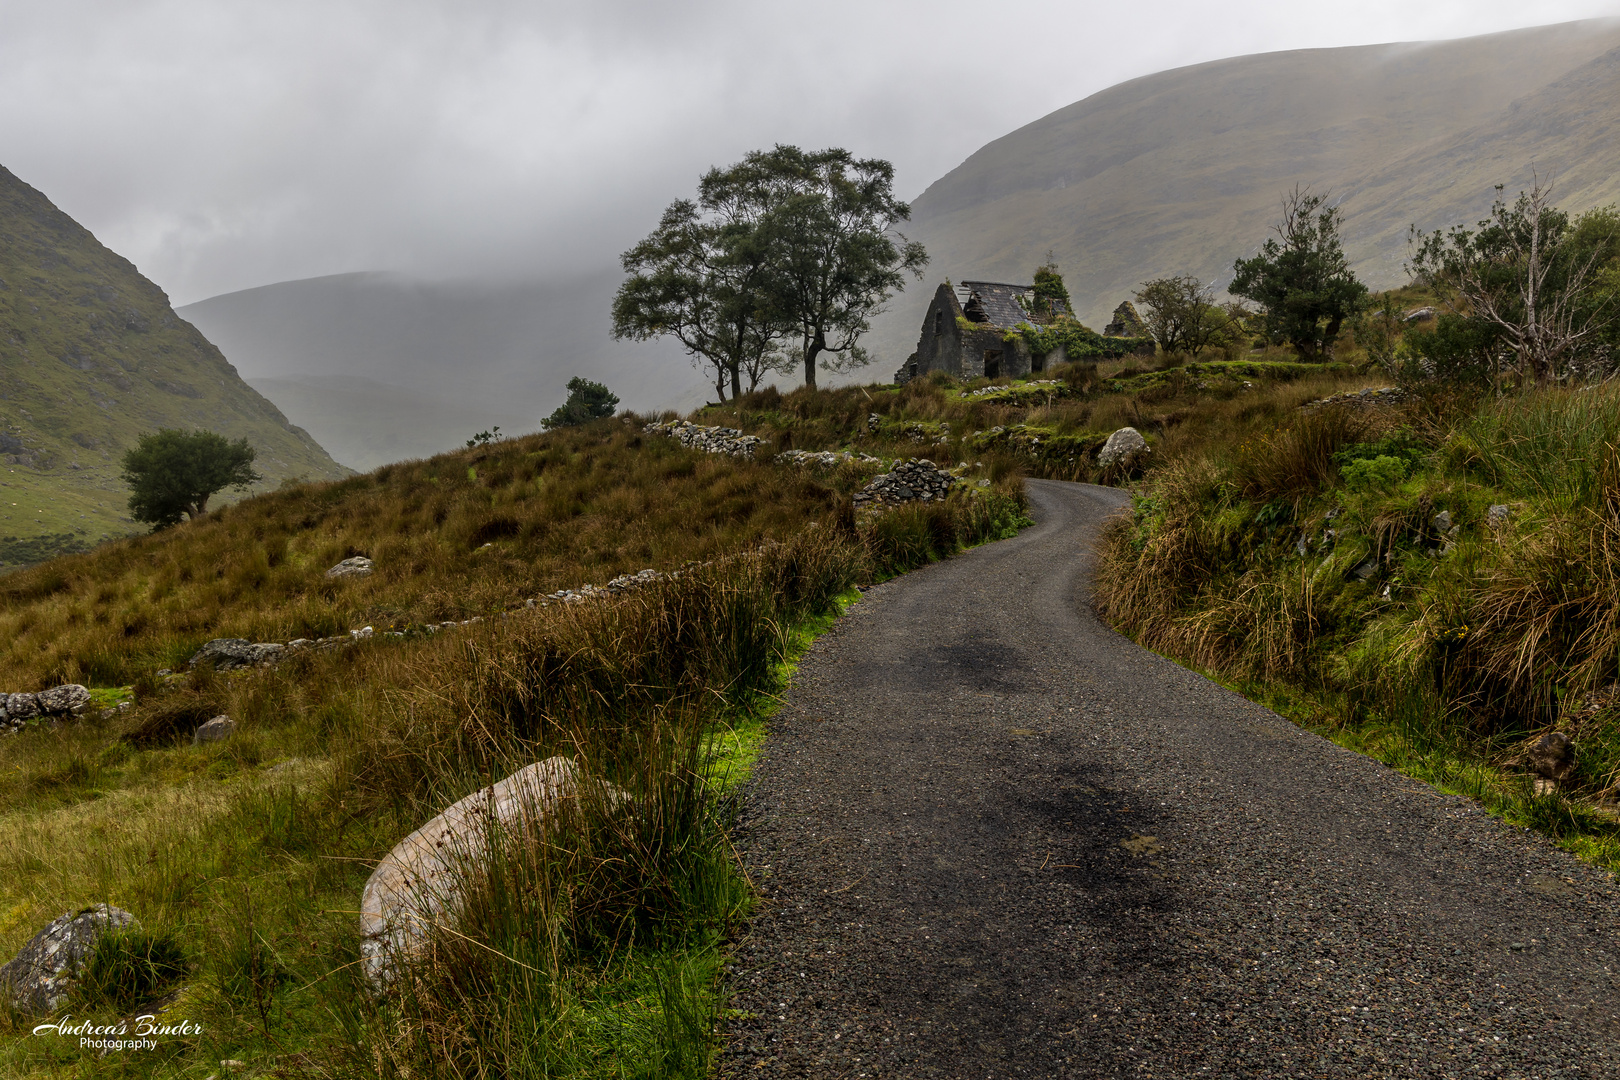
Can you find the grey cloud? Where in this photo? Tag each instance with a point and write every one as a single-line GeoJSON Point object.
{"type": "Point", "coordinates": [222, 146]}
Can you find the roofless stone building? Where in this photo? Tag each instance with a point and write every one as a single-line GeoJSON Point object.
{"type": "Point", "coordinates": [964, 330]}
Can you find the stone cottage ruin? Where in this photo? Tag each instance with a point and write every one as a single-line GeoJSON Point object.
{"type": "Point", "coordinates": [964, 330]}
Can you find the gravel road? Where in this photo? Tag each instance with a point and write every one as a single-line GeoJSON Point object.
{"type": "Point", "coordinates": [996, 839]}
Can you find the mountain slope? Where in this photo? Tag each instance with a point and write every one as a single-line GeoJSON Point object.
{"type": "Point", "coordinates": [93, 356]}
{"type": "Point", "coordinates": [444, 359]}
{"type": "Point", "coordinates": [1181, 171]}
{"type": "Point", "coordinates": [365, 423]}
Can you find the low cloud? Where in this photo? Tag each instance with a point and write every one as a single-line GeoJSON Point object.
{"type": "Point", "coordinates": [222, 146]}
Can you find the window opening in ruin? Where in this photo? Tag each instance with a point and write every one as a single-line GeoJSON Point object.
{"type": "Point", "coordinates": [1037, 363]}
{"type": "Point", "coordinates": [992, 363]}
{"type": "Point", "coordinates": [939, 322]}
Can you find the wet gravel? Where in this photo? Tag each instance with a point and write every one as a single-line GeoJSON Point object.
{"type": "Point", "coordinates": [996, 839]}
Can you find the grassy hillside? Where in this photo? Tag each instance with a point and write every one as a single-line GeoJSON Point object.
{"type": "Point", "coordinates": [93, 356]}
{"type": "Point", "coordinates": [1432, 583]}
{"type": "Point", "coordinates": [1180, 172]}
{"type": "Point", "coordinates": [244, 860]}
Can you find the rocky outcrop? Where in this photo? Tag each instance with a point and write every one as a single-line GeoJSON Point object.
{"type": "Point", "coordinates": [1551, 761]}
{"type": "Point", "coordinates": [44, 971]}
{"type": "Point", "coordinates": [1124, 448]}
{"type": "Point", "coordinates": [420, 883]}
{"type": "Point", "coordinates": [915, 480]}
{"type": "Point", "coordinates": [622, 583]}
{"type": "Point", "coordinates": [354, 566]}
{"type": "Point", "coordinates": [713, 440]}
{"type": "Point", "coordinates": [228, 654]}
{"type": "Point", "coordinates": [1035, 388]}
{"type": "Point", "coordinates": [1382, 397]}
{"type": "Point", "coordinates": [825, 458]}
{"type": "Point", "coordinates": [59, 702]}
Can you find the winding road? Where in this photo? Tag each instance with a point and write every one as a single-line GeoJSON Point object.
{"type": "Point", "coordinates": [997, 839]}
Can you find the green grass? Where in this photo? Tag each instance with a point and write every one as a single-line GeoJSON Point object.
{"type": "Point", "coordinates": [1443, 652]}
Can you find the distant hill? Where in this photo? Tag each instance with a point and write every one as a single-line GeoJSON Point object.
{"type": "Point", "coordinates": [1182, 171]}
{"type": "Point", "coordinates": [421, 366]}
{"type": "Point", "coordinates": [93, 356]}
{"type": "Point", "coordinates": [1175, 172]}
{"type": "Point", "coordinates": [365, 423]}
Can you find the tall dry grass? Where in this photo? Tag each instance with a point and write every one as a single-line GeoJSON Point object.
{"type": "Point", "coordinates": [1461, 634]}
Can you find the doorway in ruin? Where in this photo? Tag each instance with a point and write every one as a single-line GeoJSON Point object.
{"type": "Point", "coordinates": [992, 363]}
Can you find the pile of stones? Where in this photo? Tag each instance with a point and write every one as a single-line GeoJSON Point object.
{"type": "Point", "coordinates": [69, 699]}
{"type": "Point", "coordinates": [622, 583]}
{"type": "Point", "coordinates": [1048, 386]}
{"type": "Point", "coordinates": [713, 440]}
{"type": "Point", "coordinates": [913, 480]}
{"type": "Point", "coordinates": [1370, 398]}
{"type": "Point", "coordinates": [825, 458]}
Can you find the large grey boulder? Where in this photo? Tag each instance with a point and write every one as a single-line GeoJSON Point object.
{"type": "Point", "coordinates": [419, 884]}
{"type": "Point", "coordinates": [356, 566]}
{"type": "Point", "coordinates": [63, 699]}
{"type": "Point", "coordinates": [1124, 448]}
{"type": "Point", "coordinates": [226, 654]}
{"type": "Point", "coordinates": [43, 973]}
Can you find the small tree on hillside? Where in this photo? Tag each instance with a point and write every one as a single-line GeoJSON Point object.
{"type": "Point", "coordinates": [587, 401]}
{"type": "Point", "coordinates": [173, 473]}
{"type": "Point", "coordinates": [1301, 278]}
{"type": "Point", "coordinates": [1181, 314]}
{"type": "Point", "coordinates": [1532, 280]}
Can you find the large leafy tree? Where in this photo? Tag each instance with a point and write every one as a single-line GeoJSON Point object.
{"type": "Point", "coordinates": [1301, 278]}
{"type": "Point", "coordinates": [835, 257]}
{"type": "Point", "coordinates": [1527, 286]}
{"type": "Point", "coordinates": [172, 473]}
{"type": "Point", "coordinates": [706, 277]}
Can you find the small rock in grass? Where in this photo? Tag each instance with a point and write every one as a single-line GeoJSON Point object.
{"type": "Point", "coordinates": [1552, 760]}
{"type": "Point", "coordinates": [356, 566]}
{"type": "Point", "coordinates": [220, 727]}
{"type": "Point", "coordinates": [1498, 515]}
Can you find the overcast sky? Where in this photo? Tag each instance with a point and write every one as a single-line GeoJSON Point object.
{"type": "Point", "coordinates": [223, 144]}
